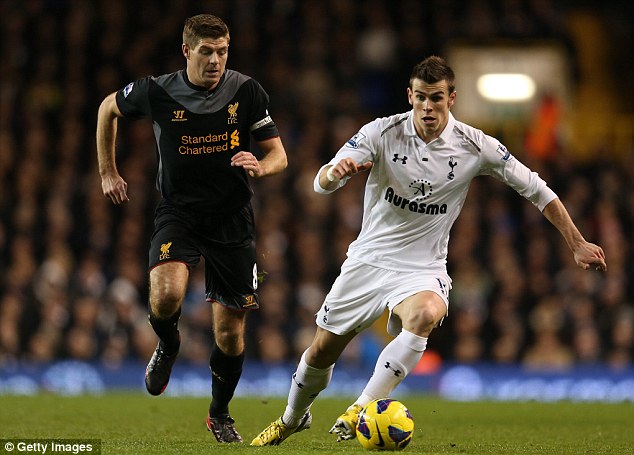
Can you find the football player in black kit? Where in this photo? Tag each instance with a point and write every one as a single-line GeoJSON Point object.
{"type": "Point", "coordinates": [203, 117]}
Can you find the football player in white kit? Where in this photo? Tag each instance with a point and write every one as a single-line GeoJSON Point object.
{"type": "Point", "coordinates": [420, 166]}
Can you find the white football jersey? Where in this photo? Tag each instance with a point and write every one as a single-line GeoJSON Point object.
{"type": "Point", "coordinates": [415, 190]}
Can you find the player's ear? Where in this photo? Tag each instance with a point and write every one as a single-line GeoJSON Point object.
{"type": "Point", "coordinates": [185, 49]}
{"type": "Point", "coordinates": [409, 96]}
{"type": "Point", "coordinates": [452, 98]}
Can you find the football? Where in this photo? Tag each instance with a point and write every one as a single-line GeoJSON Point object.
{"type": "Point", "coordinates": [385, 424]}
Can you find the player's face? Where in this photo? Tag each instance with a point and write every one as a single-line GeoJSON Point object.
{"type": "Point", "coordinates": [431, 103]}
{"type": "Point", "coordinates": [207, 61]}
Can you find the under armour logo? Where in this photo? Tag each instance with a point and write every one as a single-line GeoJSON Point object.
{"type": "Point", "coordinates": [452, 164]}
{"type": "Point", "coordinates": [396, 158]}
{"type": "Point", "coordinates": [396, 372]}
{"type": "Point", "coordinates": [299, 384]}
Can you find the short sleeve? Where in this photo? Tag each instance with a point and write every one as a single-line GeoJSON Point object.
{"type": "Point", "coordinates": [133, 100]}
{"type": "Point", "coordinates": [261, 124]}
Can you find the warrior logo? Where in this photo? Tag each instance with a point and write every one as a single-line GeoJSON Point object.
{"type": "Point", "coordinates": [217, 376]}
{"type": "Point", "coordinates": [179, 116]}
{"type": "Point", "coordinates": [249, 301]}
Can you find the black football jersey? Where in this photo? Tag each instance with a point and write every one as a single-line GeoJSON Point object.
{"type": "Point", "coordinates": [197, 131]}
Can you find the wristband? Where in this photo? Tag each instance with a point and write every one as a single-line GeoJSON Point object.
{"type": "Point", "coordinates": [330, 176]}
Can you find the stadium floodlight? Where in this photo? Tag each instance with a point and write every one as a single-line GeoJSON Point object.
{"type": "Point", "coordinates": [502, 84]}
{"type": "Point", "coordinates": [506, 87]}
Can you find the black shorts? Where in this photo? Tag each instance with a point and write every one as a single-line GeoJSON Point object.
{"type": "Point", "coordinates": [225, 241]}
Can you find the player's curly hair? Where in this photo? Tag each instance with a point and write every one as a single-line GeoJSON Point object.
{"type": "Point", "coordinates": [432, 70]}
{"type": "Point", "coordinates": [203, 26]}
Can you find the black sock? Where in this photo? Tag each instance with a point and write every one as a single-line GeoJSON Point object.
{"type": "Point", "coordinates": [225, 374]}
{"type": "Point", "coordinates": [167, 331]}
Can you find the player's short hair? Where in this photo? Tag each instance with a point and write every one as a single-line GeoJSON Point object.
{"type": "Point", "coordinates": [203, 26]}
{"type": "Point", "coordinates": [432, 70]}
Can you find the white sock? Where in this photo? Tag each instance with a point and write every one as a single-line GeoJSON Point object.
{"type": "Point", "coordinates": [395, 362]}
{"type": "Point", "coordinates": [306, 384]}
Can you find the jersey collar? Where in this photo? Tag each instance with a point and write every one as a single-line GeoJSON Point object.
{"type": "Point", "coordinates": [444, 136]}
{"type": "Point", "coordinates": [203, 89]}
{"type": "Point", "coordinates": [446, 133]}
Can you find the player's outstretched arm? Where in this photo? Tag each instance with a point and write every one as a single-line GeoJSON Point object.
{"type": "Point", "coordinates": [586, 254]}
{"type": "Point", "coordinates": [330, 176]}
{"type": "Point", "coordinates": [113, 186]}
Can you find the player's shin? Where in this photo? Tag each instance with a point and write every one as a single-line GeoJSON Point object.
{"type": "Point", "coordinates": [395, 362]}
{"type": "Point", "coordinates": [225, 375]}
{"type": "Point", "coordinates": [167, 331]}
{"type": "Point", "coordinates": [306, 384]}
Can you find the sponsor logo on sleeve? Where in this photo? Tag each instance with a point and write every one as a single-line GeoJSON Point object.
{"type": "Point", "coordinates": [506, 155]}
{"type": "Point", "coordinates": [355, 140]}
{"type": "Point", "coordinates": [128, 89]}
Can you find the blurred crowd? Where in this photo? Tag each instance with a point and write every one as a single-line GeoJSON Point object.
{"type": "Point", "coordinates": [73, 281]}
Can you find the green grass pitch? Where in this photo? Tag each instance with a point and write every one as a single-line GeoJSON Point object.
{"type": "Point", "coordinates": [131, 423]}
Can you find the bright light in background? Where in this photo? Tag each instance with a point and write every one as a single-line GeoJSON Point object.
{"type": "Point", "coordinates": [506, 87]}
{"type": "Point", "coordinates": [542, 66]}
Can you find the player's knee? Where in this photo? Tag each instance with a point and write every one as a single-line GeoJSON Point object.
{"type": "Point", "coordinates": [229, 339]}
{"type": "Point", "coordinates": [168, 285]}
{"type": "Point", "coordinates": [164, 305]}
{"type": "Point", "coordinates": [320, 357]}
{"type": "Point", "coordinates": [423, 318]}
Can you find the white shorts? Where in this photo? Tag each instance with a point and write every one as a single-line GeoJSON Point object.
{"type": "Point", "coordinates": [361, 293]}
